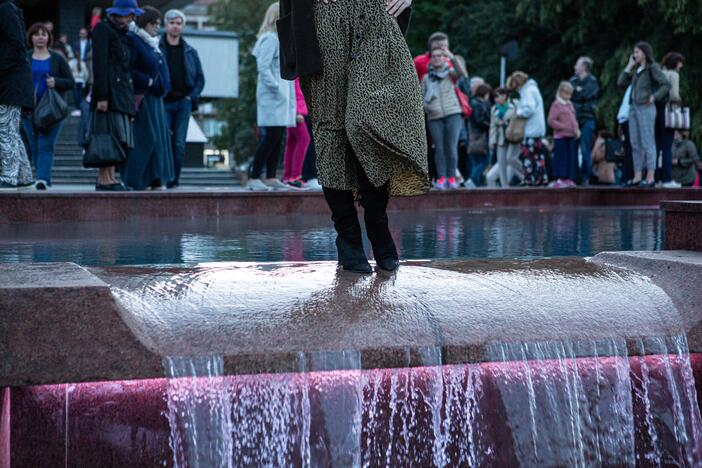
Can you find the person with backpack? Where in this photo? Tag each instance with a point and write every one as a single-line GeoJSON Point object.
{"type": "Point", "coordinates": [444, 115]}
{"type": "Point", "coordinates": [648, 86]}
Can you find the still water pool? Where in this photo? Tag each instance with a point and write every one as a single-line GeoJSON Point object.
{"type": "Point", "coordinates": [456, 234]}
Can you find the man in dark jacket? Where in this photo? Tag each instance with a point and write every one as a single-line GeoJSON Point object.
{"type": "Point", "coordinates": [16, 93]}
{"type": "Point", "coordinates": [585, 94]}
{"type": "Point", "coordinates": [187, 82]}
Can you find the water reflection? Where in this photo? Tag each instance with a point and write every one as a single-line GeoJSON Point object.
{"type": "Point", "coordinates": [441, 234]}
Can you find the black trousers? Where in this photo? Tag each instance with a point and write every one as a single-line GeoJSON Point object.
{"type": "Point", "coordinates": [309, 168]}
{"type": "Point", "coordinates": [268, 153]}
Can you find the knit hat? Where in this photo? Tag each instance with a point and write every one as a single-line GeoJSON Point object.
{"type": "Point", "coordinates": [125, 8]}
{"type": "Point", "coordinates": [173, 14]}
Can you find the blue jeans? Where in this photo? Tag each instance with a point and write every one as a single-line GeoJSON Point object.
{"type": "Point", "coordinates": [41, 148]}
{"type": "Point", "coordinates": [587, 130]}
{"type": "Point", "coordinates": [478, 163]}
{"type": "Point", "coordinates": [177, 117]}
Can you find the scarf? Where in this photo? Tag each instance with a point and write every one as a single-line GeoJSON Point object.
{"type": "Point", "coordinates": [434, 82]}
{"type": "Point", "coordinates": [502, 110]}
{"type": "Point", "coordinates": [148, 38]}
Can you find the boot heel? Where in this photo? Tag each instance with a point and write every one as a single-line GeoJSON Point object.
{"type": "Point", "coordinates": [352, 258]}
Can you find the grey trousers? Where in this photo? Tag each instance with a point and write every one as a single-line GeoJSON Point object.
{"type": "Point", "coordinates": [508, 165]}
{"type": "Point", "coordinates": [445, 133]}
{"type": "Point", "coordinates": [14, 163]}
{"type": "Point", "coordinates": [642, 127]}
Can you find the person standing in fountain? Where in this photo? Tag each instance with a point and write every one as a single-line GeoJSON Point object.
{"type": "Point", "coordinates": [16, 93]}
{"type": "Point", "coordinates": [365, 105]}
{"type": "Point", "coordinates": [150, 163]}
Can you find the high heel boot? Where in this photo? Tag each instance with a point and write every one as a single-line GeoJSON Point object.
{"type": "Point", "coordinates": [375, 203]}
{"type": "Point", "coordinates": [349, 243]}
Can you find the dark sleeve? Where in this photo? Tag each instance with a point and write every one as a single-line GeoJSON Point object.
{"type": "Point", "coordinates": [624, 79]}
{"type": "Point", "coordinates": [590, 91]}
{"type": "Point", "coordinates": [101, 74]}
{"type": "Point", "coordinates": [140, 79]}
{"type": "Point", "coordinates": [64, 77]}
{"type": "Point", "coordinates": [13, 36]}
{"type": "Point", "coordinates": [663, 84]}
{"type": "Point", "coordinates": [199, 83]}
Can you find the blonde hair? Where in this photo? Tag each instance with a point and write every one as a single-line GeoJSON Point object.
{"type": "Point", "coordinates": [564, 86]}
{"type": "Point", "coordinates": [269, 20]}
{"type": "Point", "coordinates": [516, 80]}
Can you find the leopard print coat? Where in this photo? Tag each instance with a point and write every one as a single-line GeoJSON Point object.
{"type": "Point", "coordinates": [367, 101]}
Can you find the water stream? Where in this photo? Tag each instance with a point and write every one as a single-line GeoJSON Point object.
{"type": "Point", "coordinates": [581, 404]}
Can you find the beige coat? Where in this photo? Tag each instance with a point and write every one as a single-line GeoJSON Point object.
{"type": "Point", "coordinates": [445, 103]}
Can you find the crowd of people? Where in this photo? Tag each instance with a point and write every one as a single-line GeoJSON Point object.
{"type": "Point", "coordinates": [125, 80]}
{"type": "Point", "coordinates": [480, 136]}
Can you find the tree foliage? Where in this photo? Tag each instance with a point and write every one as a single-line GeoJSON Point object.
{"type": "Point", "coordinates": [551, 35]}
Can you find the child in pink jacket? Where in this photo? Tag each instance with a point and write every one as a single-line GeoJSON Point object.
{"type": "Point", "coordinates": [563, 121]}
{"type": "Point", "coordinates": [298, 140]}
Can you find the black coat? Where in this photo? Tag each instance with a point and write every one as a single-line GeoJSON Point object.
{"type": "Point", "coordinates": [60, 71]}
{"type": "Point", "coordinates": [585, 96]}
{"type": "Point", "coordinates": [112, 80]}
{"type": "Point", "coordinates": [299, 48]}
{"type": "Point", "coordinates": [16, 87]}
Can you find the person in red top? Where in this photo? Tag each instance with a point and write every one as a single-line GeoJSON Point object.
{"type": "Point", "coordinates": [96, 17]}
{"type": "Point", "coordinates": [421, 62]}
{"type": "Point", "coordinates": [562, 119]}
{"type": "Point", "coordinates": [297, 142]}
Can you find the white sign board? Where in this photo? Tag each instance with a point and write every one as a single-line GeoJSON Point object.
{"type": "Point", "coordinates": [219, 54]}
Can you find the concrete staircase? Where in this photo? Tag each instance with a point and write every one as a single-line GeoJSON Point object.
{"type": "Point", "coordinates": [68, 164]}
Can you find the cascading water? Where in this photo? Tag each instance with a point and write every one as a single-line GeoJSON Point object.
{"type": "Point", "coordinates": [578, 404]}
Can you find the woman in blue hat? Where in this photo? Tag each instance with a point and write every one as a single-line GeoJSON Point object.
{"type": "Point", "coordinates": [113, 91]}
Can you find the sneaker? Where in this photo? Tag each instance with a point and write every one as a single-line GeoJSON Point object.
{"type": "Point", "coordinates": [257, 185]}
{"type": "Point", "coordinates": [312, 184]}
{"type": "Point", "coordinates": [671, 185]}
{"type": "Point", "coordinates": [440, 184]}
{"type": "Point", "coordinates": [294, 183]}
{"type": "Point", "coordinates": [75, 113]}
{"type": "Point", "coordinates": [559, 183]}
{"type": "Point", "coordinates": [452, 184]}
{"type": "Point", "coordinates": [4, 186]}
{"type": "Point", "coordinates": [469, 184]}
{"type": "Point", "coordinates": [41, 185]}
{"type": "Point", "coordinates": [275, 184]}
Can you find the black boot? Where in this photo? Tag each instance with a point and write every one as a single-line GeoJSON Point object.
{"type": "Point", "coordinates": [375, 203]}
{"type": "Point", "coordinates": [349, 242]}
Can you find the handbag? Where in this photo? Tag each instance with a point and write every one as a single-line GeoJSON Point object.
{"type": "Point", "coordinates": [463, 100]}
{"type": "Point", "coordinates": [516, 130]}
{"type": "Point", "coordinates": [51, 110]}
{"type": "Point", "coordinates": [615, 152]}
{"type": "Point", "coordinates": [102, 149]}
{"type": "Point", "coordinates": [478, 144]}
{"type": "Point", "coordinates": [677, 117]}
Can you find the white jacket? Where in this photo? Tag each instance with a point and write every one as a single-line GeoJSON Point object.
{"type": "Point", "coordinates": [275, 97]}
{"type": "Point", "coordinates": [531, 107]}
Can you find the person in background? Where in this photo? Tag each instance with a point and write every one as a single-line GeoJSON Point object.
{"type": "Point", "coordinates": [49, 71]}
{"type": "Point", "coordinates": [649, 85]}
{"type": "Point", "coordinates": [16, 95]}
{"type": "Point", "coordinates": [81, 74]}
{"type": "Point", "coordinates": [421, 62]}
{"type": "Point", "coordinates": [463, 84]}
{"type": "Point", "coordinates": [187, 83]}
{"type": "Point", "coordinates": [275, 104]}
{"type": "Point", "coordinates": [297, 142]}
{"type": "Point", "coordinates": [150, 163]}
{"type": "Point", "coordinates": [478, 147]}
{"type": "Point", "coordinates": [623, 133]}
{"type": "Point", "coordinates": [508, 164]}
{"type": "Point", "coordinates": [63, 40]}
{"type": "Point", "coordinates": [95, 17]}
{"type": "Point", "coordinates": [82, 48]}
{"type": "Point", "coordinates": [671, 65]}
{"type": "Point", "coordinates": [113, 89]}
{"type": "Point", "coordinates": [49, 27]}
{"type": "Point", "coordinates": [586, 90]}
{"type": "Point", "coordinates": [443, 112]}
{"type": "Point", "coordinates": [531, 108]}
{"type": "Point", "coordinates": [685, 159]}
{"type": "Point", "coordinates": [602, 170]}
{"type": "Point", "coordinates": [563, 120]}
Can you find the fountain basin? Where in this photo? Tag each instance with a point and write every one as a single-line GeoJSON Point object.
{"type": "Point", "coordinates": [63, 323]}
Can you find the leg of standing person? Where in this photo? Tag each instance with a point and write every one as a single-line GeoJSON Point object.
{"type": "Point", "coordinates": [266, 146]}
{"type": "Point", "coordinates": [179, 117]}
{"type": "Point", "coordinates": [15, 169]}
{"type": "Point", "coordinates": [628, 165]}
{"type": "Point", "coordinates": [303, 143]}
{"type": "Point", "coordinates": [587, 131]}
{"type": "Point", "coordinates": [274, 155]}
{"type": "Point", "coordinates": [309, 168]}
{"type": "Point", "coordinates": [637, 148]}
{"type": "Point", "coordinates": [437, 129]}
{"type": "Point", "coordinates": [559, 168]}
{"type": "Point", "coordinates": [478, 163]}
{"type": "Point", "coordinates": [32, 137]}
{"type": "Point", "coordinates": [514, 164]}
{"type": "Point", "coordinates": [451, 135]}
{"type": "Point", "coordinates": [501, 151]}
{"type": "Point", "coordinates": [667, 138]}
{"type": "Point", "coordinates": [45, 154]}
{"type": "Point", "coordinates": [291, 143]}
{"type": "Point", "coordinates": [647, 131]}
